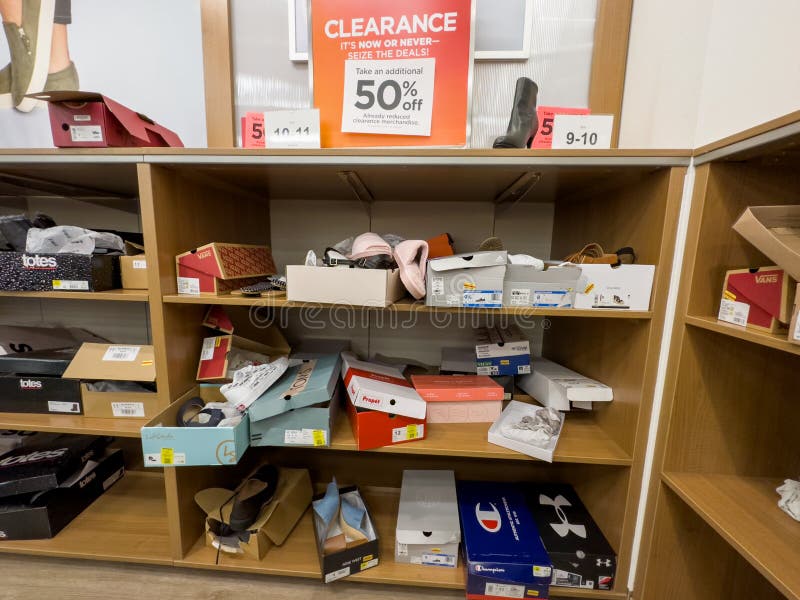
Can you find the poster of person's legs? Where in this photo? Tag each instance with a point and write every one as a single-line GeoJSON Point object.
{"type": "Point", "coordinates": [144, 54]}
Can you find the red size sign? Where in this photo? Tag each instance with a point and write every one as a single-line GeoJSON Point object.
{"type": "Point", "coordinates": [546, 116]}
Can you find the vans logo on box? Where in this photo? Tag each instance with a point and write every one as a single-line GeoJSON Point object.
{"type": "Point", "coordinates": [767, 278]}
{"type": "Point", "coordinates": [204, 254]}
{"type": "Point", "coordinates": [489, 519]}
{"type": "Point", "coordinates": [29, 384]}
{"type": "Point", "coordinates": [39, 262]}
{"type": "Point", "coordinates": [482, 569]}
{"type": "Point", "coordinates": [564, 528]}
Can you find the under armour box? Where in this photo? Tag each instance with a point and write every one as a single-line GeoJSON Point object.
{"type": "Point", "coordinates": [466, 280]}
{"type": "Point", "coordinates": [47, 462]}
{"type": "Point", "coordinates": [30, 382]}
{"type": "Point", "coordinates": [43, 514]}
{"type": "Point", "coordinates": [428, 530]}
{"type": "Point", "coordinates": [503, 553]}
{"type": "Point", "coordinates": [218, 268]}
{"type": "Point", "coordinates": [581, 555]}
{"type": "Point", "coordinates": [502, 351]}
{"type": "Point", "coordinates": [31, 272]}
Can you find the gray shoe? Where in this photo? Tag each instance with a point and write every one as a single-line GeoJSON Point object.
{"type": "Point", "coordinates": [30, 51]}
{"type": "Point", "coordinates": [5, 87]}
{"type": "Point", "coordinates": [64, 80]}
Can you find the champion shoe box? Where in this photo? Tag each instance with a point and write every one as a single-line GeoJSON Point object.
{"type": "Point", "coordinates": [165, 443]}
{"type": "Point", "coordinates": [31, 382]}
{"type": "Point", "coordinates": [428, 530]}
{"type": "Point", "coordinates": [503, 552]}
{"type": "Point", "coordinates": [300, 408]}
{"type": "Point", "coordinates": [580, 553]}
{"type": "Point", "coordinates": [31, 272]}
{"type": "Point", "coordinates": [502, 351]}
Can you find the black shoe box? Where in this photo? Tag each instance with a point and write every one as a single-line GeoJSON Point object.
{"type": "Point", "coordinates": [580, 553]}
{"type": "Point", "coordinates": [32, 272]}
{"type": "Point", "coordinates": [351, 560]}
{"type": "Point", "coordinates": [47, 463]}
{"type": "Point", "coordinates": [30, 382]}
{"type": "Point", "coordinates": [42, 515]}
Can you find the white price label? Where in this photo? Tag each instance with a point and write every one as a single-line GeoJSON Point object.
{"type": "Point", "coordinates": [437, 286]}
{"type": "Point", "coordinates": [121, 353]}
{"type": "Point", "coordinates": [207, 353]}
{"type": "Point", "coordinates": [505, 590]}
{"type": "Point", "coordinates": [796, 334]}
{"type": "Point", "coordinates": [734, 312]}
{"type": "Point", "coordinates": [576, 132]}
{"type": "Point", "coordinates": [520, 297]}
{"type": "Point", "coordinates": [553, 298]}
{"type": "Point", "coordinates": [292, 128]}
{"type": "Point", "coordinates": [70, 284]}
{"type": "Point", "coordinates": [63, 407]}
{"type": "Point", "coordinates": [189, 285]}
{"type": "Point", "coordinates": [127, 409]}
{"type": "Point", "coordinates": [402, 549]}
{"type": "Point", "coordinates": [445, 560]}
{"type": "Point", "coordinates": [140, 263]}
{"type": "Point", "coordinates": [483, 299]}
{"type": "Point", "coordinates": [86, 133]}
{"type": "Point", "coordinates": [392, 97]}
{"type": "Point", "coordinates": [337, 574]}
{"type": "Point", "coordinates": [409, 432]}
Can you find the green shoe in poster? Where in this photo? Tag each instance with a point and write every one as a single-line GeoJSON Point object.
{"type": "Point", "coordinates": [29, 46]}
{"type": "Point", "coordinates": [64, 80]}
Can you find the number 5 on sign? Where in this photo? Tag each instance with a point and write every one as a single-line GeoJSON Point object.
{"type": "Point", "coordinates": [292, 128]}
{"type": "Point", "coordinates": [582, 132]}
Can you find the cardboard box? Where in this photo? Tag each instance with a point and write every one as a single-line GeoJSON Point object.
{"type": "Point", "coordinates": [134, 272]}
{"type": "Point", "coordinates": [299, 409]}
{"type": "Point", "coordinates": [165, 443]}
{"type": "Point", "coordinates": [559, 387]}
{"type": "Point", "coordinates": [381, 388]}
{"type": "Point", "coordinates": [554, 287]}
{"type": "Point", "coordinates": [794, 327]}
{"type": "Point", "coordinates": [462, 360]}
{"type": "Point", "coordinates": [341, 285]}
{"type": "Point", "coordinates": [502, 351]}
{"type": "Point", "coordinates": [775, 231]}
{"type": "Point", "coordinates": [223, 354]}
{"type": "Point", "coordinates": [113, 362]}
{"type": "Point", "coordinates": [466, 280]}
{"type": "Point", "coordinates": [757, 298]}
{"type": "Point", "coordinates": [276, 520]}
{"type": "Point", "coordinates": [580, 553]}
{"type": "Point", "coordinates": [460, 398]}
{"type": "Point", "coordinates": [502, 550]}
{"type": "Point", "coordinates": [622, 287]}
{"type": "Point", "coordinates": [351, 560]}
{"type": "Point", "coordinates": [513, 413]}
{"type": "Point", "coordinates": [30, 272]}
{"type": "Point", "coordinates": [47, 462]}
{"type": "Point", "coordinates": [376, 429]}
{"type": "Point", "coordinates": [30, 382]}
{"type": "Point", "coordinates": [18, 339]}
{"type": "Point", "coordinates": [43, 515]}
{"type": "Point", "coordinates": [218, 268]}
{"type": "Point", "coordinates": [428, 530]}
{"type": "Point", "coordinates": [91, 120]}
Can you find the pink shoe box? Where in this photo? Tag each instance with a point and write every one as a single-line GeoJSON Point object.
{"type": "Point", "coordinates": [471, 411]}
{"type": "Point", "coordinates": [460, 398]}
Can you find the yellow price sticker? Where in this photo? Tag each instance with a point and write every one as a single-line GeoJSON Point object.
{"type": "Point", "coordinates": [469, 285]}
{"type": "Point", "coordinates": [56, 284]}
{"type": "Point", "coordinates": [411, 432]}
{"type": "Point", "coordinates": [167, 456]}
{"type": "Point", "coordinates": [589, 288]}
{"type": "Point", "coordinates": [319, 437]}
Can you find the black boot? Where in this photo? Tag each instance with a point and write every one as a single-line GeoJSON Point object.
{"type": "Point", "coordinates": [523, 123]}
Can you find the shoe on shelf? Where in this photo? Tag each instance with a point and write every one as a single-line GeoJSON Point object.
{"type": "Point", "coordinates": [257, 491]}
{"type": "Point", "coordinates": [411, 257]}
{"type": "Point", "coordinates": [593, 254]}
{"type": "Point", "coordinates": [491, 244]}
{"type": "Point", "coordinates": [523, 123]}
{"type": "Point", "coordinates": [5, 87]}
{"type": "Point", "coordinates": [29, 46]}
{"type": "Point", "coordinates": [63, 80]}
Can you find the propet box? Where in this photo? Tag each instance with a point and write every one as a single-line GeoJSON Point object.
{"type": "Point", "coordinates": [32, 272]}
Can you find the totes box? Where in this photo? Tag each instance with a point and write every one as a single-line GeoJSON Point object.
{"type": "Point", "coordinates": [88, 119]}
{"type": "Point", "coordinates": [32, 272]}
{"type": "Point", "coordinates": [218, 268]}
{"type": "Point", "coordinates": [30, 382]}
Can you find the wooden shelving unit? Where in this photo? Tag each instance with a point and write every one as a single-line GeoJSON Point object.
{"type": "Point", "coordinates": [128, 427]}
{"type": "Point", "coordinates": [188, 198]}
{"type": "Point", "coordinates": [113, 295]}
{"type": "Point", "coordinates": [729, 422]}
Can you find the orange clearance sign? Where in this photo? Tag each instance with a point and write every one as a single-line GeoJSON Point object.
{"type": "Point", "coordinates": [391, 73]}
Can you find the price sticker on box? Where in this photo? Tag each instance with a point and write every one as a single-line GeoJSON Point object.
{"type": "Point", "coordinates": [582, 132]}
{"type": "Point", "coordinates": [733, 312]}
{"type": "Point", "coordinates": [292, 128]}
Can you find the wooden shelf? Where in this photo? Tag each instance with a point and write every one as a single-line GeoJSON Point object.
{"type": "Point", "coordinates": [128, 523]}
{"type": "Point", "coordinates": [405, 306]}
{"type": "Point", "coordinates": [297, 557]}
{"type": "Point", "coordinates": [117, 295]}
{"type": "Point", "coordinates": [744, 511]}
{"type": "Point", "coordinates": [771, 340]}
{"type": "Point", "coordinates": [582, 441]}
{"type": "Point", "coordinates": [77, 424]}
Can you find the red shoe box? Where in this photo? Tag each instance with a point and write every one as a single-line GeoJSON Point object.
{"type": "Point", "coordinates": [218, 268]}
{"type": "Point", "coordinates": [376, 429]}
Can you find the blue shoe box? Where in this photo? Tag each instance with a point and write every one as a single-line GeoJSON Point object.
{"type": "Point", "coordinates": [503, 553]}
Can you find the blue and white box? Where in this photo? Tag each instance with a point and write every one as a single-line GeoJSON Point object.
{"type": "Point", "coordinates": [300, 408]}
{"type": "Point", "coordinates": [466, 280]}
{"type": "Point", "coordinates": [502, 351]}
{"type": "Point", "coordinates": [554, 287]}
{"type": "Point", "coordinates": [503, 552]}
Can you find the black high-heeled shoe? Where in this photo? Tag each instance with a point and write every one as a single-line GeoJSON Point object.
{"type": "Point", "coordinates": [523, 123]}
{"type": "Point", "coordinates": [251, 497]}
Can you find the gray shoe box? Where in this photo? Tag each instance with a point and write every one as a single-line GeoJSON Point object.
{"type": "Point", "coordinates": [453, 281]}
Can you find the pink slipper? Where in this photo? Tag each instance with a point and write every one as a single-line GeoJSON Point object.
{"type": "Point", "coordinates": [412, 257]}
{"type": "Point", "coordinates": [369, 244]}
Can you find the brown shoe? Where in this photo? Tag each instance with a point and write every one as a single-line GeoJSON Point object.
{"type": "Point", "coordinates": [593, 254]}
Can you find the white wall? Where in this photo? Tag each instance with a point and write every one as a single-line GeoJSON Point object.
{"type": "Point", "coordinates": [700, 70]}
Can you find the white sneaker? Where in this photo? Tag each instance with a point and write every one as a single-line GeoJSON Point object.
{"type": "Point", "coordinates": [250, 382]}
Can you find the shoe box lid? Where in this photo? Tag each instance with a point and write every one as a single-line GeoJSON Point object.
{"type": "Point", "coordinates": [112, 362]}
{"type": "Point", "coordinates": [313, 381]}
{"type": "Point", "coordinates": [496, 342]}
{"type": "Point", "coordinates": [228, 261]}
{"type": "Point", "coordinates": [492, 258]}
{"type": "Point", "coordinates": [19, 339]}
{"type": "Point", "coordinates": [565, 525]}
{"type": "Point", "coordinates": [457, 388]}
{"type": "Point", "coordinates": [47, 462]}
{"type": "Point", "coordinates": [557, 386]}
{"type": "Point", "coordinates": [216, 352]}
{"type": "Point", "coordinates": [428, 512]}
{"type": "Point", "coordinates": [40, 362]}
{"type": "Point", "coordinates": [500, 538]}
{"type": "Point", "coordinates": [566, 276]}
{"type": "Point", "coordinates": [382, 388]}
